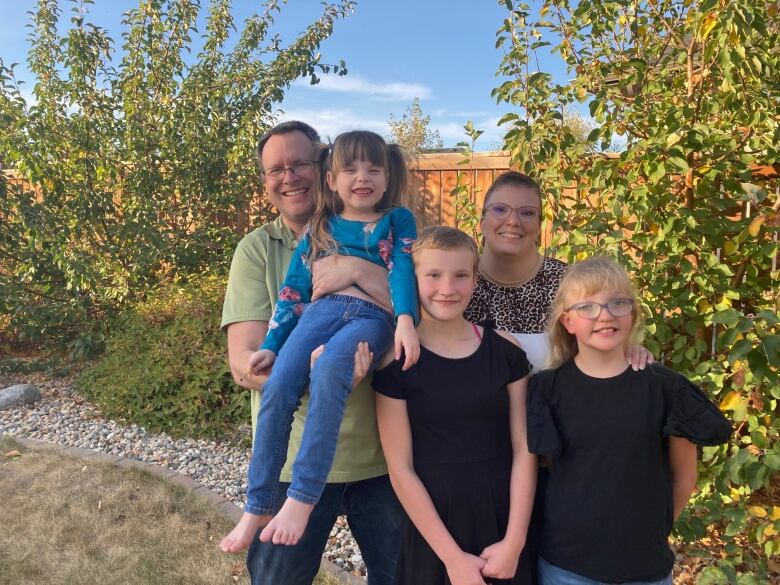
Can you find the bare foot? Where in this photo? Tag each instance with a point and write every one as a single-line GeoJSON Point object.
{"type": "Point", "coordinates": [289, 523]}
{"type": "Point", "coordinates": [241, 536]}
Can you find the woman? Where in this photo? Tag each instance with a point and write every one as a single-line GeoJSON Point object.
{"type": "Point", "coordinates": [516, 284]}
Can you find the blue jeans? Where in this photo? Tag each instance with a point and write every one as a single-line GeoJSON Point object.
{"type": "Point", "coordinates": [375, 518]}
{"type": "Point", "coordinates": [552, 575]}
{"type": "Point", "coordinates": [340, 322]}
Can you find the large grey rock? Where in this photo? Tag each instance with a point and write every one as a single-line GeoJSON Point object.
{"type": "Point", "coordinates": [19, 394]}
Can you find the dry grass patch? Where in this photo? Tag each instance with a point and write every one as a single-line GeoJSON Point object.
{"type": "Point", "coordinates": [81, 522]}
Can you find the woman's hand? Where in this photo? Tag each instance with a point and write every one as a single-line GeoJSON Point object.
{"type": "Point", "coordinates": [501, 560]}
{"type": "Point", "coordinates": [406, 339]}
{"type": "Point", "coordinates": [363, 359]}
{"type": "Point", "coordinates": [638, 357]}
{"type": "Point", "coordinates": [465, 569]}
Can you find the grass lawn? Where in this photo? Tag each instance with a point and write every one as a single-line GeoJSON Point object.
{"type": "Point", "coordinates": [68, 520]}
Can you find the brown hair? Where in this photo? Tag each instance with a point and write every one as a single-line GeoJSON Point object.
{"type": "Point", "coordinates": [581, 280]}
{"type": "Point", "coordinates": [347, 148]}
{"type": "Point", "coordinates": [514, 179]}
{"type": "Point", "coordinates": [441, 237]}
{"type": "Point", "coordinates": [285, 128]}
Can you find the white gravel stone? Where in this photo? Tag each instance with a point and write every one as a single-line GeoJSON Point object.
{"type": "Point", "coordinates": [63, 416]}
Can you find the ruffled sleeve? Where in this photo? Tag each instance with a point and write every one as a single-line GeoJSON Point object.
{"type": "Point", "coordinates": [543, 437]}
{"type": "Point", "coordinates": [693, 416]}
{"type": "Point", "coordinates": [389, 381]}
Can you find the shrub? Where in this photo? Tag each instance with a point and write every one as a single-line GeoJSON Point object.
{"type": "Point", "coordinates": [165, 368]}
{"type": "Point", "coordinates": [690, 90]}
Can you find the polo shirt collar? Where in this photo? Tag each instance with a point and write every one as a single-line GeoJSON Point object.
{"type": "Point", "coordinates": [278, 230]}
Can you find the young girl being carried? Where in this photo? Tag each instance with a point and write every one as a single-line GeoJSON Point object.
{"type": "Point", "coordinates": [358, 188]}
{"type": "Point", "coordinates": [453, 432]}
{"type": "Point", "coordinates": [621, 442]}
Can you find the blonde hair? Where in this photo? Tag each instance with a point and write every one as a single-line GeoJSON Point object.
{"type": "Point", "coordinates": [441, 237]}
{"type": "Point", "coordinates": [581, 280]}
{"type": "Point", "coordinates": [346, 149]}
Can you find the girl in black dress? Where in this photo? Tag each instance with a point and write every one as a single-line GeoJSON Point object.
{"type": "Point", "coordinates": [621, 442]}
{"type": "Point", "coordinates": [453, 431]}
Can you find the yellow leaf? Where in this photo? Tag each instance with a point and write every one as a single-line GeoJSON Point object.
{"type": "Point", "coordinates": [729, 247]}
{"type": "Point", "coordinates": [672, 139]}
{"type": "Point", "coordinates": [755, 225]}
{"type": "Point", "coordinates": [769, 531]}
{"type": "Point", "coordinates": [757, 512]}
{"type": "Point", "coordinates": [735, 495]}
{"type": "Point", "coordinates": [731, 401]}
{"type": "Point", "coordinates": [708, 24]}
{"type": "Point", "coordinates": [704, 306]}
{"type": "Point", "coordinates": [775, 515]}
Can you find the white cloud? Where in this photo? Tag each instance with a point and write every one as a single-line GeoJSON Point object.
{"type": "Point", "coordinates": [330, 122]}
{"type": "Point", "coordinates": [384, 91]}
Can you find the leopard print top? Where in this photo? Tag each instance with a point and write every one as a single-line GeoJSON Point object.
{"type": "Point", "coordinates": [517, 309]}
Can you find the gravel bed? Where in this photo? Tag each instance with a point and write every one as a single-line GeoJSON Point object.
{"type": "Point", "coordinates": [63, 416]}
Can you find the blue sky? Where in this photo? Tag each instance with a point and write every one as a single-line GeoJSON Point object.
{"type": "Point", "coordinates": [442, 51]}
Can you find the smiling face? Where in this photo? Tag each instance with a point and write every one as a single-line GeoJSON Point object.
{"type": "Point", "coordinates": [511, 235]}
{"type": "Point", "coordinates": [360, 185]}
{"type": "Point", "coordinates": [292, 192]}
{"type": "Point", "coordinates": [445, 282]}
{"type": "Point", "coordinates": [605, 333]}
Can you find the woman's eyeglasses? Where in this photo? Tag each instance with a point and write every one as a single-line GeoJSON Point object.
{"type": "Point", "coordinates": [615, 307]}
{"type": "Point", "coordinates": [296, 169]}
{"type": "Point", "coordinates": [500, 211]}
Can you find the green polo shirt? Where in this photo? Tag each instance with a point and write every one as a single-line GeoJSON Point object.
{"type": "Point", "coordinates": [258, 269]}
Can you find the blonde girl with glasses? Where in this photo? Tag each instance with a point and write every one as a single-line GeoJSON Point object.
{"type": "Point", "coordinates": [358, 184]}
{"type": "Point", "coordinates": [621, 443]}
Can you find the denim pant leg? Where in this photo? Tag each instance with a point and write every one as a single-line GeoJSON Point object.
{"type": "Point", "coordinates": [552, 575]}
{"type": "Point", "coordinates": [276, 564]}
{"type": "Point", "coordinates": [281, 397]}
{"type": "Point", "coordinates": [376, 520]}
{"type": "Point", "coordinates": [331, 383]}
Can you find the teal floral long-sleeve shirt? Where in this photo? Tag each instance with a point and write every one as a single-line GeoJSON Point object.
{"type": "Point", "coordinates": [386, 242]}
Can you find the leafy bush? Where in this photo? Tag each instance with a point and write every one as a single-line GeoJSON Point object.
{"type": "Point", "coordinates": [135, 158]}
{"type": "Point", "coordinates": [165, 367]}
{"type": "Point", "coordinates": [690, 205]}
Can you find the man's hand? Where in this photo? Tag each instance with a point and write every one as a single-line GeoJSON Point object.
{"type": "Point", "coordinates": [363, 359]}
{"type": "Point", "coordinates": [335, 273]}
{"type": "Point", "coordinates": [406, 339]}
{"type": "Point", "coordinates": [260, 361]}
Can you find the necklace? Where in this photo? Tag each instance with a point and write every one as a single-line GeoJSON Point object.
{"type": "Point", "coordinates": [514, 283]}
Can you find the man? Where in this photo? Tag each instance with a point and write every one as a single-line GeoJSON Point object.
{"type": "Point", "coordinates": [358, 485]}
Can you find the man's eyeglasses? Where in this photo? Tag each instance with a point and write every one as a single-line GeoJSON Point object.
{"type": "Point", "coordinates": [501, 212]}
{"type": "Point", "coordinates": [296, 169]}
{"type": "Point", "coordinates": [616, 308]}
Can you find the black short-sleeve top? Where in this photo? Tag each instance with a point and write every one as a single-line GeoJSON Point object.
{"type": "Point", "coordinates": [458, 407]}
{"type": "Point", "coordinates": [609, 507]}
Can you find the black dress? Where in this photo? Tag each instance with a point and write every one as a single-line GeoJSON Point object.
{"type": "Point", "coordinates": [461, 443]}
{"type": "Point", "coordinates": [609, 507]}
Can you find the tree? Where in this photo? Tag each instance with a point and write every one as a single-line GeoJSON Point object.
{"type": "Point", "coordinates": [412, 131]}
{"type": "Point", "coordinates": [689, 206]}
{"type": "Point", "coordinates": [138, 164]}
